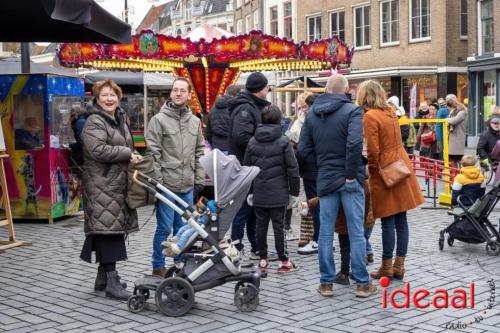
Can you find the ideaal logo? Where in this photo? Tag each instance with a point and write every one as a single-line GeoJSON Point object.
{"type": "Point", "coordinates": [421, 298]}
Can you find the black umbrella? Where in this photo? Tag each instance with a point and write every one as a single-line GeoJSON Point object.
{"type": "Point", "coordinates": [60, 21]}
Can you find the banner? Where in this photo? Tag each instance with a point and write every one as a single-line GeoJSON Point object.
{"type": "Point", "coordinates": [413, 101]}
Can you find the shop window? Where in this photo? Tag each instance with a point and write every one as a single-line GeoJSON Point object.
{"type": "Point", "coordinates": [489, 93]}
{"type": "Point", "coordinates": [426, 90]}
{"type": "Point", "coordinates": [362, 27]}
{"type": "Point", "coordinates": [337, 24]}
{"type": "Point", "coordinates": [133, 104]}
{"type": "Point", "coordinates": [420, 24]}
{"type": "Point", "coordinates": [28, 122]}
{"type": "Point", "coordinates": [389, 22]}
{"type": "Point", "coordinates": [61, 133]}
{"type": "Point", "coordinates": [462, 88]}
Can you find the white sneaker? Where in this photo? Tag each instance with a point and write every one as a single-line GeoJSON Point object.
{"type": "Point", "coordinates": [309, 248]}
{"type": "Point", "coordinates": [290, 235]}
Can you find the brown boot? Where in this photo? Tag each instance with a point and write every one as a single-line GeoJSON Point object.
{"type": "Point", "coordinates": [161, 272]}
{"type": "Point", "coordinates": [384, 270]}
{"type": "Point", "coordinates": [399, 268]}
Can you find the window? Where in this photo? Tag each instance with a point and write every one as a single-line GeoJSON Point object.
{"type": "Point", "coordinates": [238, 3]}
{"type": "Point", "coordinates": [248, 27]}
{"type": "Point", "coordinates": [188, 10]}
{"type": "Point", "coordinates": [463, 19]}
{"type": "Point", "coordinates": [239, 27]}
{"type": "Point", "coordinates": [362, 26]}
{"type": "Point", "coordinates": [420, 25]}
{"type": "Point", "coordinates": [274, 21]}
{"type": "Point", "coordinates": [337, 25]}
{"type": "Point", "coordinates": [287, 19]}
{"type": "Point", "coordinates": [256, 20]}
{"type": "Point", "coordinates": [28, 122]}
{"type": "Point", "coordinates": [486, 26]}
{"type": "Point", "coordinates": [389, 22]}
{"type": "Point", "coordinates": [313, 28]}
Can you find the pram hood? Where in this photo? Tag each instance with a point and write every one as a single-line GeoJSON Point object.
{"type": "Point", "coordinates": [232, 181]}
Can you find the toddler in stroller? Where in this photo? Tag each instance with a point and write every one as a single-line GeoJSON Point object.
{"type": "Point", "coordinates": [471, 224]}
{"type": "Point", "coordinates": [174, 295]}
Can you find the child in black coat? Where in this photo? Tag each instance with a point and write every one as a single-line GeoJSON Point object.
{"type": "Point", "coordinates": [277, 183]}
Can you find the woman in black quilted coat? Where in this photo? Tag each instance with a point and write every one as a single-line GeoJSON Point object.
{"type": "Point", "coordinates": [107, 149]}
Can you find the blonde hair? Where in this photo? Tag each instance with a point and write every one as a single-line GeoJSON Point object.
{"type": "Point", "coordinates": [468, 160]}
{"type": "Point", "coordinates": [97, 87]}
{"type": "Point", "coordinates": [371, 95]}
{"type": "Point", "coordinates": [302, 97]}
{"type": "Point", "coordinates": [496, 110]}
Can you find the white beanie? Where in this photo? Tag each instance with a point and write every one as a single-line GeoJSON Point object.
{"type": "Point", "coordinates": [400, 111]}
{"type": "Point", "coordinates": [394, 100]}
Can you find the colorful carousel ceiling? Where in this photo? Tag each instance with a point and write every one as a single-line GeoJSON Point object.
{"type": "Point", "coordinates": [210, 66]}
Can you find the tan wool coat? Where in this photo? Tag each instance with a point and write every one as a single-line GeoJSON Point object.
{"type": "Point", "coordinates": [383, 141]}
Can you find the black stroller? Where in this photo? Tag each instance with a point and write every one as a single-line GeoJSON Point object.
{"type": "Point", "coordinates": [472, 225]}
{"type": "Point", "coordinates": [174, 295]}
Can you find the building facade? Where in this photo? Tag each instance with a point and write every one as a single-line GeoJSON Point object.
{"type": "Point", "coordinates": [401, 43]}
{"type": "Point", "coordinates": [483, 61]}
{"type": "Point", "coordinates": [247, 16]}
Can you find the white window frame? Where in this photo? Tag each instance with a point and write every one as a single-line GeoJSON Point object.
{"type": "Point", "coordinates": [288, 17]}
{"type": "Point", "coordinates": [480, 47]}
{"type": "Point", "coordinates": [464, 37]}
{"type": "Point", "coordinates": [271, 20]}
{"type": "Point", "coordinates": [256, 19]}
{"type": "Point", "coordinates": [238, 3]}
{"type": "Point", "coordinates": [330, 28]}
{"type": "Point", "coordinates": [315, 16]}
{"type": "Point", "coordinates": [239, 27]}
{"type": "Point", "coordinates": [248, 20]}
{"type": "Point", "coordinates": [410, 23]}
{"type": "Point", "coordinates": [367, 46]}
{"type": "Point", "coordinates": [390, 24]}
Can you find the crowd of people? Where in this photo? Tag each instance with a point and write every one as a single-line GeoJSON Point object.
{"type": "Point", "coordinates": [353, 159]}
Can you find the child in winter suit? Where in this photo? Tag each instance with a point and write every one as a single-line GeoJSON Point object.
{"type": "Point", "coordinates": [277, 183]}
{"type": "Point", "coordinates": [470, 183]}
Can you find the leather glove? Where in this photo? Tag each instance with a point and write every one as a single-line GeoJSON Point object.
{"type": "Point", "coordinates": [294, 201]}
{"type": "Point", "coordinates": [250, 200]}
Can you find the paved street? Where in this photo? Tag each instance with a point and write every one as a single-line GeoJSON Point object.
{"type": "Point", "coordinates": [46, 287]}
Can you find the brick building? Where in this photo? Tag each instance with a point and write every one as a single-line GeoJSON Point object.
{"type": "Point", "coordinates": [483, 61]}
{"type": "Point", "coordinates": [247, 16]}
{"type": "Point", "coordinates": [398, 42]}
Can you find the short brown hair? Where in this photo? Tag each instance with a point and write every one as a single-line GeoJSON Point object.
{"type": "Point", "coordinates": [183, 79]}
{"type": "Point", "coordinates": [371, 95]}
{"type": "Point", "coordinates": [468, 160]}
{"type": "Point", "coordinates": [97, 87]}
{"type": "Point", "coordinates": [271, 114]}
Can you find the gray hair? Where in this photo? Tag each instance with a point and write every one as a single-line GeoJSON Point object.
{"type": "Point", "coordinates": [337, 84]}
{"type": "Point", "coordinates": [451, 97]}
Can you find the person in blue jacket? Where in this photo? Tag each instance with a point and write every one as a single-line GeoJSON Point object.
{"type": "Point", "coordinates": [441, 114]}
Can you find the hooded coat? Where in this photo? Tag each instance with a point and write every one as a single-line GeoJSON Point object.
{"type": "Point", "coordinates": [384, 146]}
{"type": "Point", "coordinates": [457, 121]}
{"type": "Point", "coordinates": [279, 177]}
{"type": "Point", "coordinates": [217, 131]}
{"type": "Point", "coordinates": [107, 147]}
{"type": "Point", "coordinates": [245, 114]}
{"type": "Point", "coordinates": [332, 136]}
{"type": "Point", "coordinates": [469, 183]}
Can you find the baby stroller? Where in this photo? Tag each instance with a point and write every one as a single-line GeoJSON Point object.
{"type": "Point", "coordinates": [174, 295]}
{"type": "Point", "coordinates": [471, 224]}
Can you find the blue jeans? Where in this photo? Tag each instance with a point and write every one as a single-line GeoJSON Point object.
{"type": "Point", "coordinates": [310, 189]}
{"type": "Point", "coordinates": [244, 217]}
{"type": "Point", "coordinates": [352, 198]}
{"type": "Point", "coordinates": [166, 217]}
{"type": "Point", "coordinates": [391, 225]}
{"type": "Point", "coordinates": [368, 233]}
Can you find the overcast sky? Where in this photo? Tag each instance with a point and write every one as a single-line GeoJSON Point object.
{"type": "Point", "coordinates": [139, 8]}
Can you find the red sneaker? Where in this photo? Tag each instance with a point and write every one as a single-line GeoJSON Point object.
{"type": "Point", "coordinates": [263, 265]}
{"type": "Point", "coordinates": [287, 266]}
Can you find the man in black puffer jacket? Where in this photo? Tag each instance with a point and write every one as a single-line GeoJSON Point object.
{"type": "Point", "coordinates": [277, 184]}
{"type": "Point", "coordinates": [245, 110]}
{"type": "Point", "coordinates": [217, 131]}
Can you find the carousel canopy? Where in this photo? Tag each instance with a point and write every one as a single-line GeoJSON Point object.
{"type": "Point", "coordinates": [131, 78]}
{"type": "Point", "coordinates": [207, 32]}
{"type": "Point", "coordinates": [60, 21]}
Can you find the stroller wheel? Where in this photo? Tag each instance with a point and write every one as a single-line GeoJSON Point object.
{"type": "Point", "coordinates": [441, 244]}
{"type": "Point", "coordinates": [144, 293]}
{"type": "Point", "coordinates": [172, 271]}
{"type": "Point", "coordinates": [493, 248]}
{"type": "Point", "coordinates": [450, 241]}
{"type": "Point", "coordinates": [174, 297]}
{"type": "Point", "coordinates": [136, 303]}
{"type": "Point", "coordinates": [246, 296]}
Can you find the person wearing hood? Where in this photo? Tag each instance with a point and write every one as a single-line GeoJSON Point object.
{"type": "Point", "coordinates": [245, 110]}
{"type": "Point", "coordinates": [469, 183]}
{"type": "Point", "coordinates": [488, 139]}
{"type": "Point", "coordinates": [217, 131]}
{"type": "Point", "coordinates": [333, 135]}
{"type": "Point", "coordinates": [107, 149]}
{"type": "Point", "coordinates": [175, 139]}
{"type": "Point", "coordinates": [277, 184]}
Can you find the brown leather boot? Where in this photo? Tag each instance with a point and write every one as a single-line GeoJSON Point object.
{"type": "Point", "coordinates": [384, 270]}
{"type": "Point", "coordinates": [399, 268]}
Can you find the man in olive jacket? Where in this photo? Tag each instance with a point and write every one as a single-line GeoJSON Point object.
{"type": "Point", "coordinates": [175, 140]}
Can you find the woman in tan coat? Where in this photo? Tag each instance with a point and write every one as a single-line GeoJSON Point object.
{"type": "Point", "coordinates": [384, 146]}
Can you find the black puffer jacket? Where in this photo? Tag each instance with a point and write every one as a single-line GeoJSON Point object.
{"type": "Point", "coordinates": [107, 146]}
{"type": "Point", "coordinates": [217, 131]}
{"type": "Point", "coordinates": [271, 151]}
{"type": "Point", "coordinates": [245, 110]}
{"type": "Point", "coordinates": [487, 141]}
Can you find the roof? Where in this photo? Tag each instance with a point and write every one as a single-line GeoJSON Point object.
{"type": "Point", "coordinates": [216, 6]}
{"type": "Point", "coordinates": [12, 66]}
{"type": "Point", "coordinates": [151, 17]}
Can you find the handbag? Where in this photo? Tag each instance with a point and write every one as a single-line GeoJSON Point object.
{"type": "Point", "coordinates": [395, 172]}
{"type": "Point", "coordinates": [137, 196]}
{"type": "Point", "coordinates": [428, 137]}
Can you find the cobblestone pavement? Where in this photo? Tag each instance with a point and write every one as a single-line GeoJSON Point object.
{"type": "Point", "coordinates": [46, 287]}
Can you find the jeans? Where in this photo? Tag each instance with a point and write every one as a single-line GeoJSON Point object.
{"type": "Point", "coordinates": [245, 216]}
{"type": "Point", "coordinates": [310, 189]}
{"type": "Point", "coordinates": [399, 224]}
{"type": "Point", "coordinates": [345, 250]}
{"type": "Point", "coordinates": [352, 198]}
{"type": "Point", "coordinates": [166, 218]}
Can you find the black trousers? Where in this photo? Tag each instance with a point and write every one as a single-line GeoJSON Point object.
{"type": "Point", "coordinates": [345, 253]}
{"type": "Point", "coordinates": [277, 216]}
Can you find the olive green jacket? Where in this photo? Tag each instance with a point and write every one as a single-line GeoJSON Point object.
{"type": "Point", "coordinates": [176, 141]}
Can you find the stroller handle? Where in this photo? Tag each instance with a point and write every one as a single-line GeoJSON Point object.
{"type": "Point", "coordinates": [148, 188]}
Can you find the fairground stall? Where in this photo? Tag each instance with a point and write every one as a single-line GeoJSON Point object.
{"type": "Point", "coordinates": [36, 110]}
